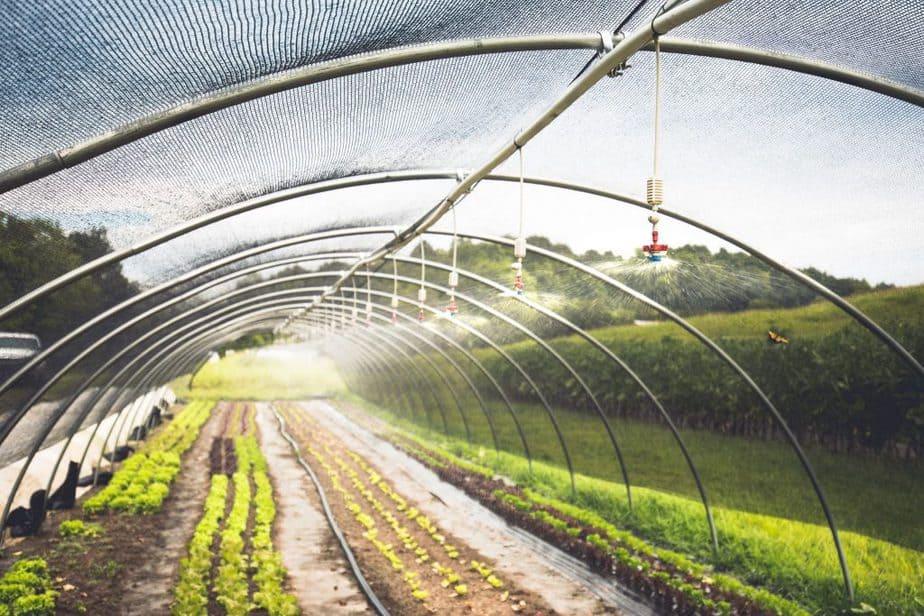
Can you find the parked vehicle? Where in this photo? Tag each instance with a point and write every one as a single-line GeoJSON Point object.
{"type": "Point", "coordinates": [16, 349]}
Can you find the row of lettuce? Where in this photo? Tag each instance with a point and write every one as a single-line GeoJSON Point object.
{"type": "Point", "coordinates": [238, 514]}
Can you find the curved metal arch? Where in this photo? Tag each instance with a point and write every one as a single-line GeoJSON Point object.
{"type": "Point", "coordinates": [455, 365]}
{"type": "Point", "coordinates": [789, 62]}
{"type": "Point", "coordinates": [96, 398]}
{"type": "Point", "coordinates": [194, 273]}
{"type": "Point", "coordinates": [21, 411]}
{"type": "Point", "coordinates": [209, 284]}
{"type": "Point", "coordinates": [816, 489]}
{"type": "Point", "coordinates": [53, 162]}
{"type": "Point", "coordinates": [179, 299]}
{"type": "Point", "coordinates": [273, 84]}
{"type": "Point", "coordinates": [716, 350]}
{"type": "Point", "coordinates": [586, 336]}
{"type": "Point", "coordinates": [146, 370]}
{"type": "Point", "coordinates": [639, 296]}
{"type": "Point", "coordinates": [384, 391]}
{"type": "Point", "coordinates": [351, 333]}
{"type": "Point", "coordinates": [244, 290]}
{"type": "Point", "coordinates": [394, 375]}
{"type": "Point", "coordinates": [277, 264]}
{"type": "Point", "coordinates": [511, 362]}
{"type": "Point", "coordinates": [852, 311]}
{"type": "Point", "coordinates": [532, 336]}
{"type": "Point", "coordinates": [150, 377]}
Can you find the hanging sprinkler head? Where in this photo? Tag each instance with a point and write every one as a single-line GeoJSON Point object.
{"type": "Point", "coordinates": [654, 251]}
{"type": "Point", "coordinates": [519, 252]}
{"type": "Point", "coordinates": [422, 299]}
{"type": "Point", "coordinates": [452, 308]}
{"type": "Point", "coordinates": [394, 309]}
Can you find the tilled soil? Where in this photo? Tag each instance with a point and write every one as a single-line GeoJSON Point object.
{"type": "Point", "coordinates": [568, 585]}
{"type": "Point", "coordinates": [148, 586]}
{"type": "Point", "coordinates": [131, 567]}
{"type": "Point", "coordinates": [318, 572]}
{"type": "Point", "coordinates": [390, 585]}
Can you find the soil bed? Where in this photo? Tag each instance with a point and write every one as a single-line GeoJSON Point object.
{"type": "Point", "coordinates": [131, 566]}
{"type": "Point", "coordinates": [392, 586]}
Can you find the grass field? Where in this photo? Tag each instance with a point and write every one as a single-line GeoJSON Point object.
{"type": "Point", "coordinates": [821, 318]}
{"type": "Point", "coordinates": [273, 373]}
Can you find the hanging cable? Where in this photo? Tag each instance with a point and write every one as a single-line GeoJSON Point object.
{"type": "Point", "coordinates": [368, 296]}
{"type": "Point", "coordinates": [422, 291]}
{"type": "Point", "coordinates": [453, 308]}
{"type": "Point", "coordinates": [654, 187]}
{"type": "Point", "coordinates": [394, 292]}
{"type": "Point", "coordinates": [355, 311]}
{"type": "Point", "coordinates": [519, 246]}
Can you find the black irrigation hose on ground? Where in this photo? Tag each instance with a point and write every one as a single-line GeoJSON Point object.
{"type": "Point", "coordinates": [363, 584]}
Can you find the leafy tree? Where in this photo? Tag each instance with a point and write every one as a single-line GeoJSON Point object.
{"type": "Point", "coordinates": [35, 251]}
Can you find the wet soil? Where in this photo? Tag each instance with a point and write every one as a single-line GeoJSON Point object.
{"type": "Point", "coordinates": [389, 585]}
{"type": "Point", "coordinates": [566, 584]}
{"type": "Point", "coordinates": [318, 573]}
{"type": "Point", "coordinates": [148, 586]}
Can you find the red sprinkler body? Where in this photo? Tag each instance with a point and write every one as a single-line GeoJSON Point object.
{"type": "Point", "coordinates": [655, 251]}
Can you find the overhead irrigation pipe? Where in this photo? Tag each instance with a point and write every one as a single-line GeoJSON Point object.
{"type": "Point", "coordinates": [535, 338]}
{"type": "Point", "coordinates": [807, 281]}
{"type": "Point", "coordinates": [612, 357]}
{"type": "Point", "coordinates": [662, 23]}
{"type": "Point", "coordinates": [414, 325]}
{"type": "Point", "coordinates": [720, 353]}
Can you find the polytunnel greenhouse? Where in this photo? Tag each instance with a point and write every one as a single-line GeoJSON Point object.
{"type": "Point", "coordinates": [462, 307]}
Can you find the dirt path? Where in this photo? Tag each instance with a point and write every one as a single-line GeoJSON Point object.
{"type": "Point", "coordinates": [534, 565]}
{"type": "Point", "coordinates": [148, 586]}
{"type": "Point", "coordinates": [318, 573]}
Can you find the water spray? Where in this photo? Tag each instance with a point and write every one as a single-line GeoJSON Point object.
{"type": "Point", "coordinates": [453, 308]}
{"type": "Point", "coordinates": [394, 293]}
{"type": "Point", "coordinates": [422, 291]}
{"type": "Point", "coordinates": [654, 251]}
